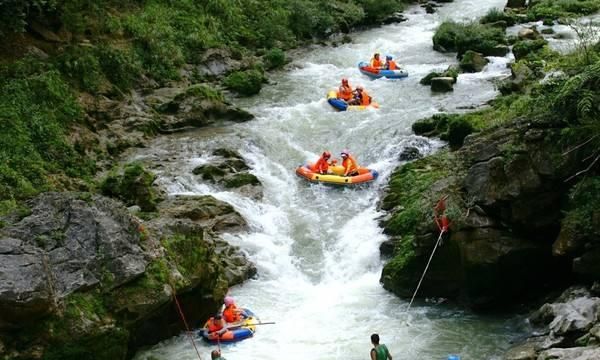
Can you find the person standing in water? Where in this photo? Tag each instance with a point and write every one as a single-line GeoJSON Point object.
{"type": "Point", "coordinates": [379, 351]}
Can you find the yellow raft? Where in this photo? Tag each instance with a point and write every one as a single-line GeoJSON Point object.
{"type": "Point", "coordinates": [336, 177]}
{"type": "Point", "coordinates": [341, 105]}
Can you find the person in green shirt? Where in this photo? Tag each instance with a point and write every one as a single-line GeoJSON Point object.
{"type": "Point", "coordinates": [379, 351]}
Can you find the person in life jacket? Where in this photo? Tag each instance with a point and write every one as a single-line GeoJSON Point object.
{"type": "Point", "coordinates": [361, 97]}
{"type": "Point", "coordinates": [349, 163]}
{"type": "Point", "coordinates": [390, 64]}
{"type": "Point", "coordinates": [375, 62]}
{"type": "Point", "coordinates": [345, 91]}
{"type": "Point", "coordinates": [322, 165]}
{"type": "Point", "coordinates": [215, 325]}
{"type": "Point", "coordinates": [232, 313]}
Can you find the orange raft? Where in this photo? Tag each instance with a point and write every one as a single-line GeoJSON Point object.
{"type": "Point", "coordinates": [336, 177]}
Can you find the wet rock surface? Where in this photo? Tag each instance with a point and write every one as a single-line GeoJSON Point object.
{"type": "Point", "coordinates": [570, 325]}
{"type": "Point", "coordinates": [503, 178]}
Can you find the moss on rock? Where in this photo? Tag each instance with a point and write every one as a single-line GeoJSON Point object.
{"type": "Point", "coordinates": [241, 179]}
{"type": "Point", "coordinates": [245, 83]}
{"type": "Point", "coordinates": [133, 185]}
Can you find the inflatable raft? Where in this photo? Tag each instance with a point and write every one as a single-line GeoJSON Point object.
{"type": "Point", "coordinates": [238, 332]}
{"type": "Point", "coordinates": [341, 105]}
{"type": "Point", "coordinates": [336, 177]}
{"type": "Point", "coordinates": [378, 73]}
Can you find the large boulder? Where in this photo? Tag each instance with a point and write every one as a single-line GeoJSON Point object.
{"type": "Point", "coordinates": [442, 84]}
{"type": "Point", "coordinates": [504, 199]}
{"type": "Point", "coordinates": [68, 243]}
{"type": "Point", "coordinates": [472, 62]}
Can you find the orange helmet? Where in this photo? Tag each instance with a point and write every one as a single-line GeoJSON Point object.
{"type": "Point", "coordinates": [326, 155]}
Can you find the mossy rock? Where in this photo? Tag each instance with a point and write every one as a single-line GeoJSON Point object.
{"type": "Point", "coordinates": [133, 186]}
{"type": "Point", "coordinates": [245, 83]}
{"type": "Point", "coordinates": [527, 48]}
{"type": "Point", "coordinates": [472, 62]}
{"type": "Point", "coordinates": [209, 172]}
{"type": "Point", "coordinates": [227, 153]}
{"type": "Point", "coordinates": [239, 180]}
{"type": "Point", "coordinates": [427, 79]}
{"type": "Point", "coordinates": [459, 37]}
{"type": "Point", "coordinates": [458, 129]}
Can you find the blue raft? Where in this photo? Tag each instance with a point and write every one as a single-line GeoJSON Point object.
{"type": "Point", "coordinates": [239, 332]}
{"type": "Point", "coordinates": [377, 73]}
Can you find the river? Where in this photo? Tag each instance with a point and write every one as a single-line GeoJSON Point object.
{"type": "Point", "coordinates": [316, 247]}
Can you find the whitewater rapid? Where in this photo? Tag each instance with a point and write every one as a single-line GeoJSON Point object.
{"type": "Point", "coordinates": [317, 248]}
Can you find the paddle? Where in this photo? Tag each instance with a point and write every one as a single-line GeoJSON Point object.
{"type": "Point", "coordinates": [243, 325]}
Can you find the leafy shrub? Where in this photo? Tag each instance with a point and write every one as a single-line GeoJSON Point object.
{"type": "Point", "coordinates": [377, 10]}
{"type": "Point", "coordinates": [582, 208]}
{"type": "Point", "coordinates": [36, 110]}
{"type": "Point", "coordinates": [275, 58]}
{"type": "Point", "coordinates": [452, 36]}
{"type": "Point", "coordinates": [81, 65]}
{"type": "Point", "coordinates": [246, 83]}
{"type": "Point", "coordinates": [121, 67]}
{"type": "Point", "coordinates": [495, 15]}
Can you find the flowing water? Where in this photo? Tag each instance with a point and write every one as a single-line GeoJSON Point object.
{"type": "Point", "coordinates": [317, 247]}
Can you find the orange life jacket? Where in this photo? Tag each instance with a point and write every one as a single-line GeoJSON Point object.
{"type": "Point", "coordinates": [365, 99]}
{"type": "Point", "coordinates": [377, 64]}
{"type": "Point", "coordinates": [350, 165]}
{"type": "Point", "coordinates": [391, 65]}
{"type": "Point", "coordinates": [231, 314]}
{"type": "Point", "coordinates": [321, 166]}
{"type": "Point", "coordinates": [213, 326]}
{"type": "Point", "coordinates": [345, 92]}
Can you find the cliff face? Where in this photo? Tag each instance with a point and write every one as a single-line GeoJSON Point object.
{"type": "Point", "coordinates": [507, 196]}
{"type": "Point", "coordinates": [82, 277]}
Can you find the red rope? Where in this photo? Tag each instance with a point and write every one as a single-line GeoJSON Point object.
{"type": "Point", "coordinates": [187, 328]}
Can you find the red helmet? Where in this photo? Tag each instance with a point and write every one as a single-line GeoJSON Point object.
{"type": "Point", "coordinates": [326, 154]}
{"type": "Point", "coordinates": [344, 81]}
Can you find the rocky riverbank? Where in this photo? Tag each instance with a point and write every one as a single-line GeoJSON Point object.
{"type": "Point", "coordinates": [83, 277]}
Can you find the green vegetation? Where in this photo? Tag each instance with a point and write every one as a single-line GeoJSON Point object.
{"type": "Point", "coordinates": [37, 109]}
{"type": "Point", "coordinates": [188, 252]}
{"type": "Point", "coordinates": [274, 59]}
{"type": "Point", "coordinates": [451, 71]}
{"type": "Point", "coordinates": [528, 48]}
{"type": "Point", "coordinates": [561, 9]}
{"type": "Point", "coordinates": [459, 37]}
{"type": "Point", "coordinates": [582, 215]}
{"type": "Point", "coordinates": [407, 187]}
{"type": "Point", "coordinates": [133, 185]}
{"type": "Point", "coordinates": [498, 16]}
{"type": "Point", "coordinates": [247, 82]}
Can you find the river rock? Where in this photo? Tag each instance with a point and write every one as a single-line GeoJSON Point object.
{"type": "Point", "coordinates": [410, 153]}
{"type": "Point", "coordinates": [498, 50]}
{"type": "Point", "coordinates": [472, 62]}
{"type": "Point", "coordinates": [572, 314]}
{"type": "Point", "coordinates": [579, 353]}
{"type": "Point", "coordinates": [396, 17]}
{"type": "Point", "coordinates": [587, 265]}
{"type": "Point", "coordinates": [205, 210]}
{"type": "Point", "coordinates": [66, 244]}
{"type": "Point", "coordinates": [516, 4]}
{"type": "Point", "coordinates": [220, 62]}
{"type": "Point", "coordinates": [529, 34]}
{"type": "Point", "coordinates": [442, 84]}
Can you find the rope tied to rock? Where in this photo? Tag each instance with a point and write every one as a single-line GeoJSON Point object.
{"type": "Point", "coordinates": [443, 224]}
